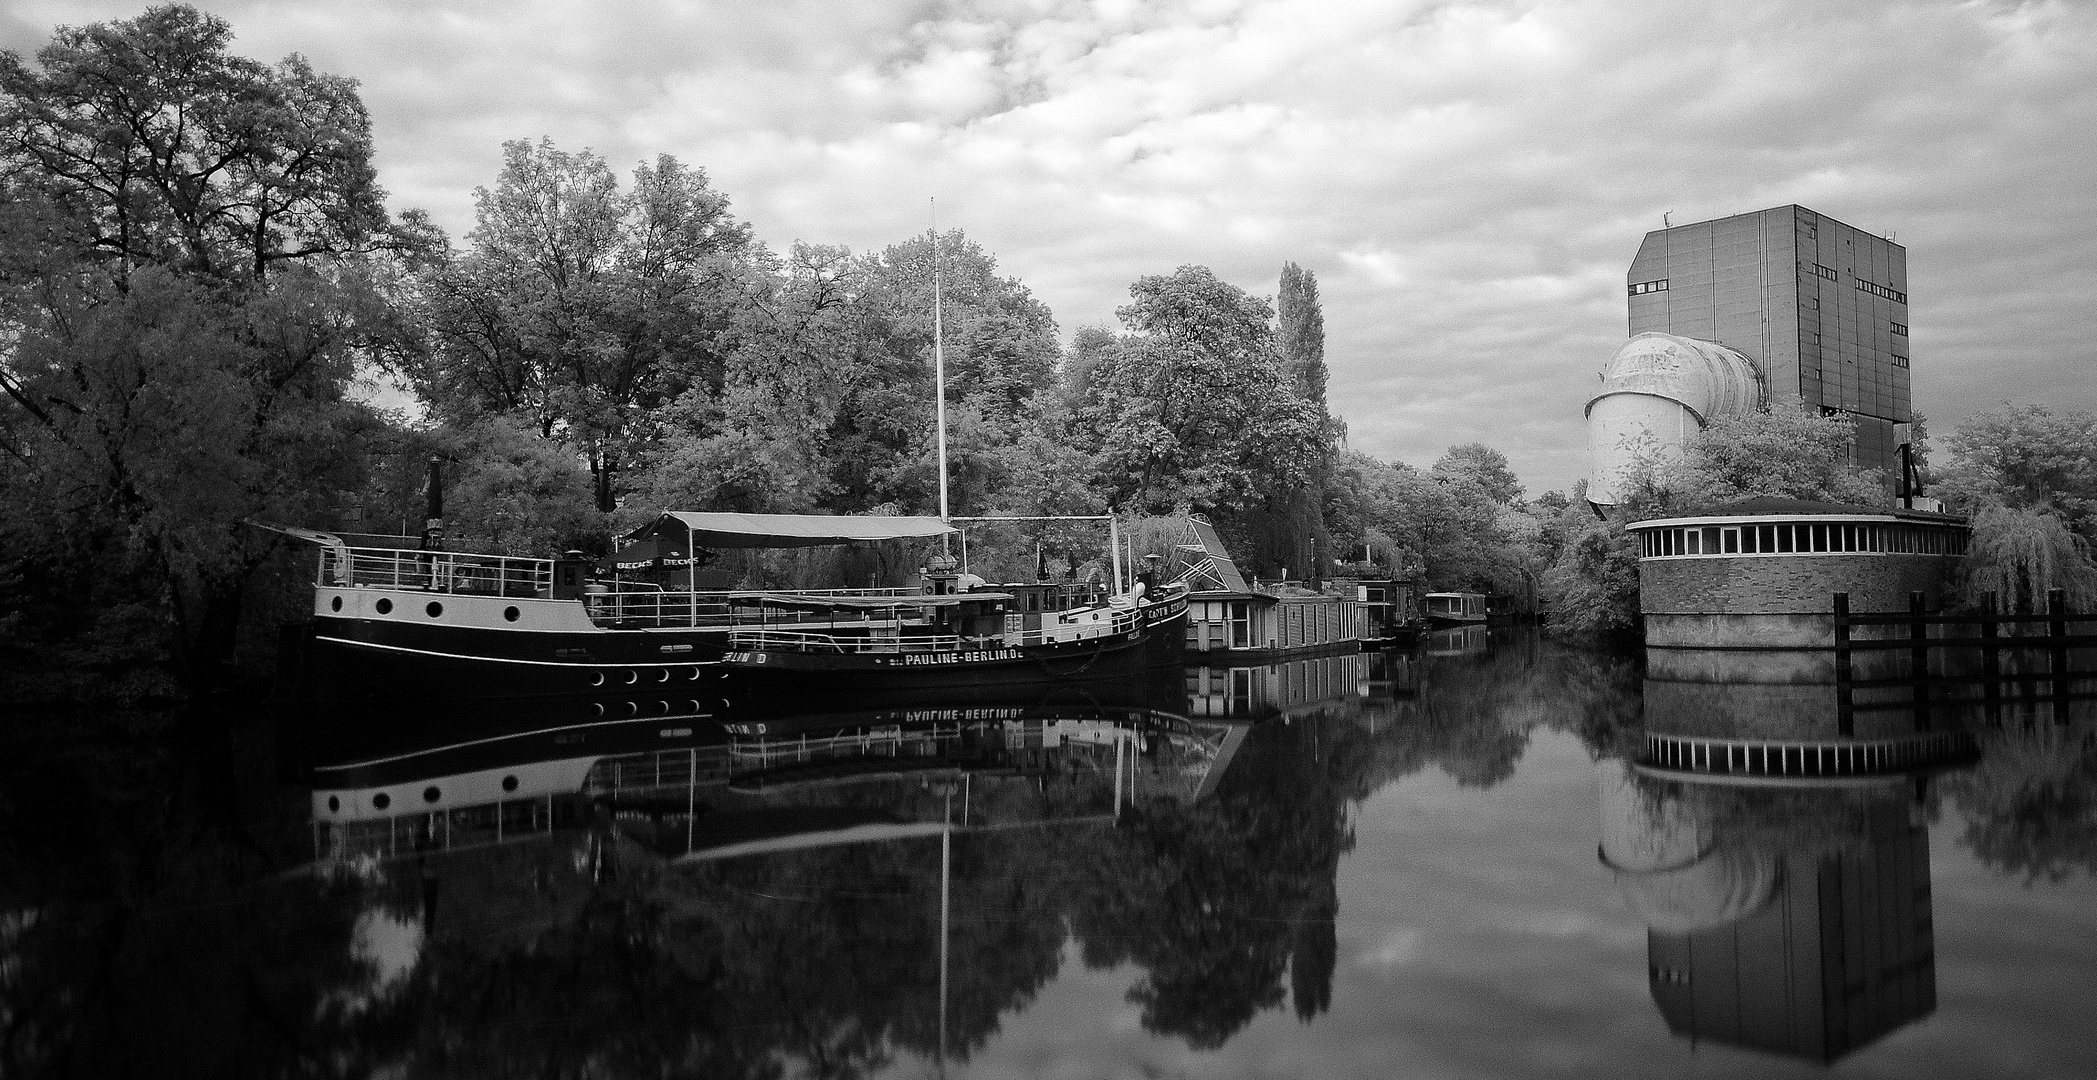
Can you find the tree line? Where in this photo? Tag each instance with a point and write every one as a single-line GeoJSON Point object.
{"type": "Point", "coordinates": [200, 283]}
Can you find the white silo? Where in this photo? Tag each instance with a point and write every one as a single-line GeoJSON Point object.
{"type": "Point", "coordinates": [1657, 391]}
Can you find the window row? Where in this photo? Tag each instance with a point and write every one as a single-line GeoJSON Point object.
{"type": "Point", "coordinates": [1803, 537]}
{"type": "Point", "coordinates": [1827, 272]}
{"type": "Point", "coordinates": [1644, 287]}
{"type": "Point", "coordinates": [1878, 290]}
{"type": "Point", "coordinates": [1900, 329]}
{"type": "Point", "coordinates": [1899, 361]}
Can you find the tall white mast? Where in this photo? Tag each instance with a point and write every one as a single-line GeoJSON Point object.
{"type": "Point", "coordinates": [939, 364]}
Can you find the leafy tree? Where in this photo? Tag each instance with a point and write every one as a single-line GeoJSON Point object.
{"type": "Point", "coordinates": [1481, 465]}
{"type": "Point", "coordinates": [1192, 409]}
{"type": "Point", "coordinates": [193, 262]}
{"type": "Point", "coordinates": [144, 143]}
{"type": "Point", "coordinates": [2026, 457]}
{"type": "Point", "coordinates": [2019, 555]}
{"type": "Point", "coordinates": [582, 308]}
{"type": "Point", "coordinates": [1302, 332]}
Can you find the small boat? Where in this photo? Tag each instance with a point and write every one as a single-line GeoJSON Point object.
{"type": "Point", "coordinates": [1455, 608]}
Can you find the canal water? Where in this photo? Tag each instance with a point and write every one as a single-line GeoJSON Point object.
{"type": "Point", "coordinates": [1458, 860]}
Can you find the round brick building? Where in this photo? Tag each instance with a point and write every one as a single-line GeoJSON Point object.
{"type": "Point", "coordinates": [1762, 573]}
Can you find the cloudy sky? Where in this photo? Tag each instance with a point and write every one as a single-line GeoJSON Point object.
{"type": "Point", "coordinates": [1469, 179]}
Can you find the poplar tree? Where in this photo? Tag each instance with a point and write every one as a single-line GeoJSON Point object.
{"type": "Point", "coordinates": [1302, 336]}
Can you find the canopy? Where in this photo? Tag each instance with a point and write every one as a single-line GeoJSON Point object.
{"type": "Point", "coordinates": [793, 530]}
{"type": "Point", "coordinates": [812, 602]}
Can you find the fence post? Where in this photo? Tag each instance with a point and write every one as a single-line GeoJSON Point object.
{"type": "Point", "coordinates": [1991, 658]}
{"type": "Point", "coordinates": [1844, 710]}
{"type": "Point", "coordinates": [2057, 639]}
{"type": "Point", "coordinates": [1919, 660]}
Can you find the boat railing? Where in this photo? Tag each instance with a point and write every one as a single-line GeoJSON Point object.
{"type": "Point", "coordinates": [789, 639]}
{"type": "Point", "coordinates": [781, 639]}
{"type": "Point", "coordinates": [434, 571]}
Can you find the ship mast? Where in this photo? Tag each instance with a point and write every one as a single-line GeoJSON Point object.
{"type": "Point", "coordinates": [939, 368]}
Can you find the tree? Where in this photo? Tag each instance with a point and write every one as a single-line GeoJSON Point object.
{"type": "Point", "coordinates": [1302, 332]}
{"type": "Point", "coordinates": [583, 308]}
{"type": "Point", "coordinates": [1481, 465]}
{"type": "Point", "coordinates": [1784, 452]}
{"type": "Point", "coordinates": [2026, 457]}
{"type": "Point", "coordinates": [145, 143]}
{"type": "Point", "coordinates": [194, 260]}
{"type": "Point", "coordinates": [1192, 408]}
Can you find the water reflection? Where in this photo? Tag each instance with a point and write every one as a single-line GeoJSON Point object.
{"type": "Point", "coordinates": [877, 887]}
{"type": "Point", "coordinates": [1772, 833]}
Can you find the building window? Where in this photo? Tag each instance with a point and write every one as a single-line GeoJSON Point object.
{"type": "Point", "coordinates": [1644, 287]}
{"type": "Point", "coordinates": [1827, 272]}
{"type": "Point", "coordinates": [1878, 290]}
{"type": "Point", "coordinates": [1899, 361]}
{"type": "Point", "coordinates": [1900, 329]}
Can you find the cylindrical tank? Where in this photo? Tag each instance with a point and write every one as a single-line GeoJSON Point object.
{"type": "Point", "coordinates": [1658, 390]}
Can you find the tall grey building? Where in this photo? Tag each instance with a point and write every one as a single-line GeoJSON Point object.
{"type": "Point", "coordinates": [1819, 306]}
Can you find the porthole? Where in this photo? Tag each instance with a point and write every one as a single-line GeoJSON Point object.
{"type": "Point", "coordinates": [509, 783]}
{"type": "Point", "coordinates": [597, 678]}
{"type": "Point", "coordinates": [382, 800]}
{"type": "Point", "coordinates": [435, 609]}
{"type": "Point", "coordinates": [335, 604]}
{"type": "Point", "coordinates": [509, 614]}
{"type": "Point", "coordinates": [384, 606]}
{"type": "Point", "coordinates": [431, 794]}
{"type": "Point", "coordinates": [632, 676]}
{"type": "Point", "coordinates": [694, 676]}
{"type": "Point", "coordinates": [663, 675]}
{"type": "Point", "coordinates": [334, 803]}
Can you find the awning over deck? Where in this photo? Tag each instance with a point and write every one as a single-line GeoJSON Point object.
{"type": "Point", "coordinates": [789, 530]}
{"type": "Point", "coordinates": [817, 602]}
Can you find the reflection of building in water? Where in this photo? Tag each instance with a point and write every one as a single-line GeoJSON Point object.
{"type": "Point", "coordinates": [1779, 861]}
{"type": "Point", "coordinates": [1809, 954]}
{"type": "Point", "coordinates": [1270, 691]}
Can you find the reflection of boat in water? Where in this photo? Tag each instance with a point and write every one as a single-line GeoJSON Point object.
{"type": "Point", "coordinates": [687, 784]}
{"type": "Point", "coordinates": [1470, 640]}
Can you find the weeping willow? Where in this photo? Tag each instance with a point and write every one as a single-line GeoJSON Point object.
{"type": "Point", "coordinates": [2021, 554]}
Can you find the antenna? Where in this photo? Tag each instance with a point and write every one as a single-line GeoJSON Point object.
{"type": "Point", "coordinates": [939, 365]}
{"type": "Point", "coordinates": [1664, 219]}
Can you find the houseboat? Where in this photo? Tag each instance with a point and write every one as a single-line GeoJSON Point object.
{"type": "Point", "coordinates": [1455, 608]}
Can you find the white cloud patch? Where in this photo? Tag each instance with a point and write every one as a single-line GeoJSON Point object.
{"type": "Point", "coordinates": [1469, 179]}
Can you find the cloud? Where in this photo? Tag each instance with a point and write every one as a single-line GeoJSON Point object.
{"type": "Point", "coordinates": [1468, 179]}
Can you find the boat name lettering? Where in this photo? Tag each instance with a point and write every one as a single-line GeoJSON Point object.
{"type": "Point", "coordinates": [960, 657]}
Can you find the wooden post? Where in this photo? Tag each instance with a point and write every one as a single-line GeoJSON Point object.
{"type": "Point", "coordinates": [1919, 661]}
{"type": "Point", "coordinates": [1991, 658]}
{"type": "Point", "coordinates": [1845, 720]}
{"type": "Point", "coordinates": [2057, 641]}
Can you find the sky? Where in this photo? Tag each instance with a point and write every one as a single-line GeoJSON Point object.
{"type": "Point", "coordinates": [1469, 180]}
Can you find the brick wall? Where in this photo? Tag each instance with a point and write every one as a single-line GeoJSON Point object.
{"type": "Point", "coordinates": [1779, 601]}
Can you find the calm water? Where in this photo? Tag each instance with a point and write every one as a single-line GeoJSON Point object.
{"type": "Point", "coordinates": [1437, 863]}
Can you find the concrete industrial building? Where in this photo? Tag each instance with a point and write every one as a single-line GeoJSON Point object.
{"type": "Point", "coordinates": [1819, 308]}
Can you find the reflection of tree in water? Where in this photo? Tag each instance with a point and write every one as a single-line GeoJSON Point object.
{"type": "Point", "coordinates": [583, 953]}
{"type": "Point", "coordinates": [1218, 901]}
{"type": "Point", "coordinates": [2030, 805]}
